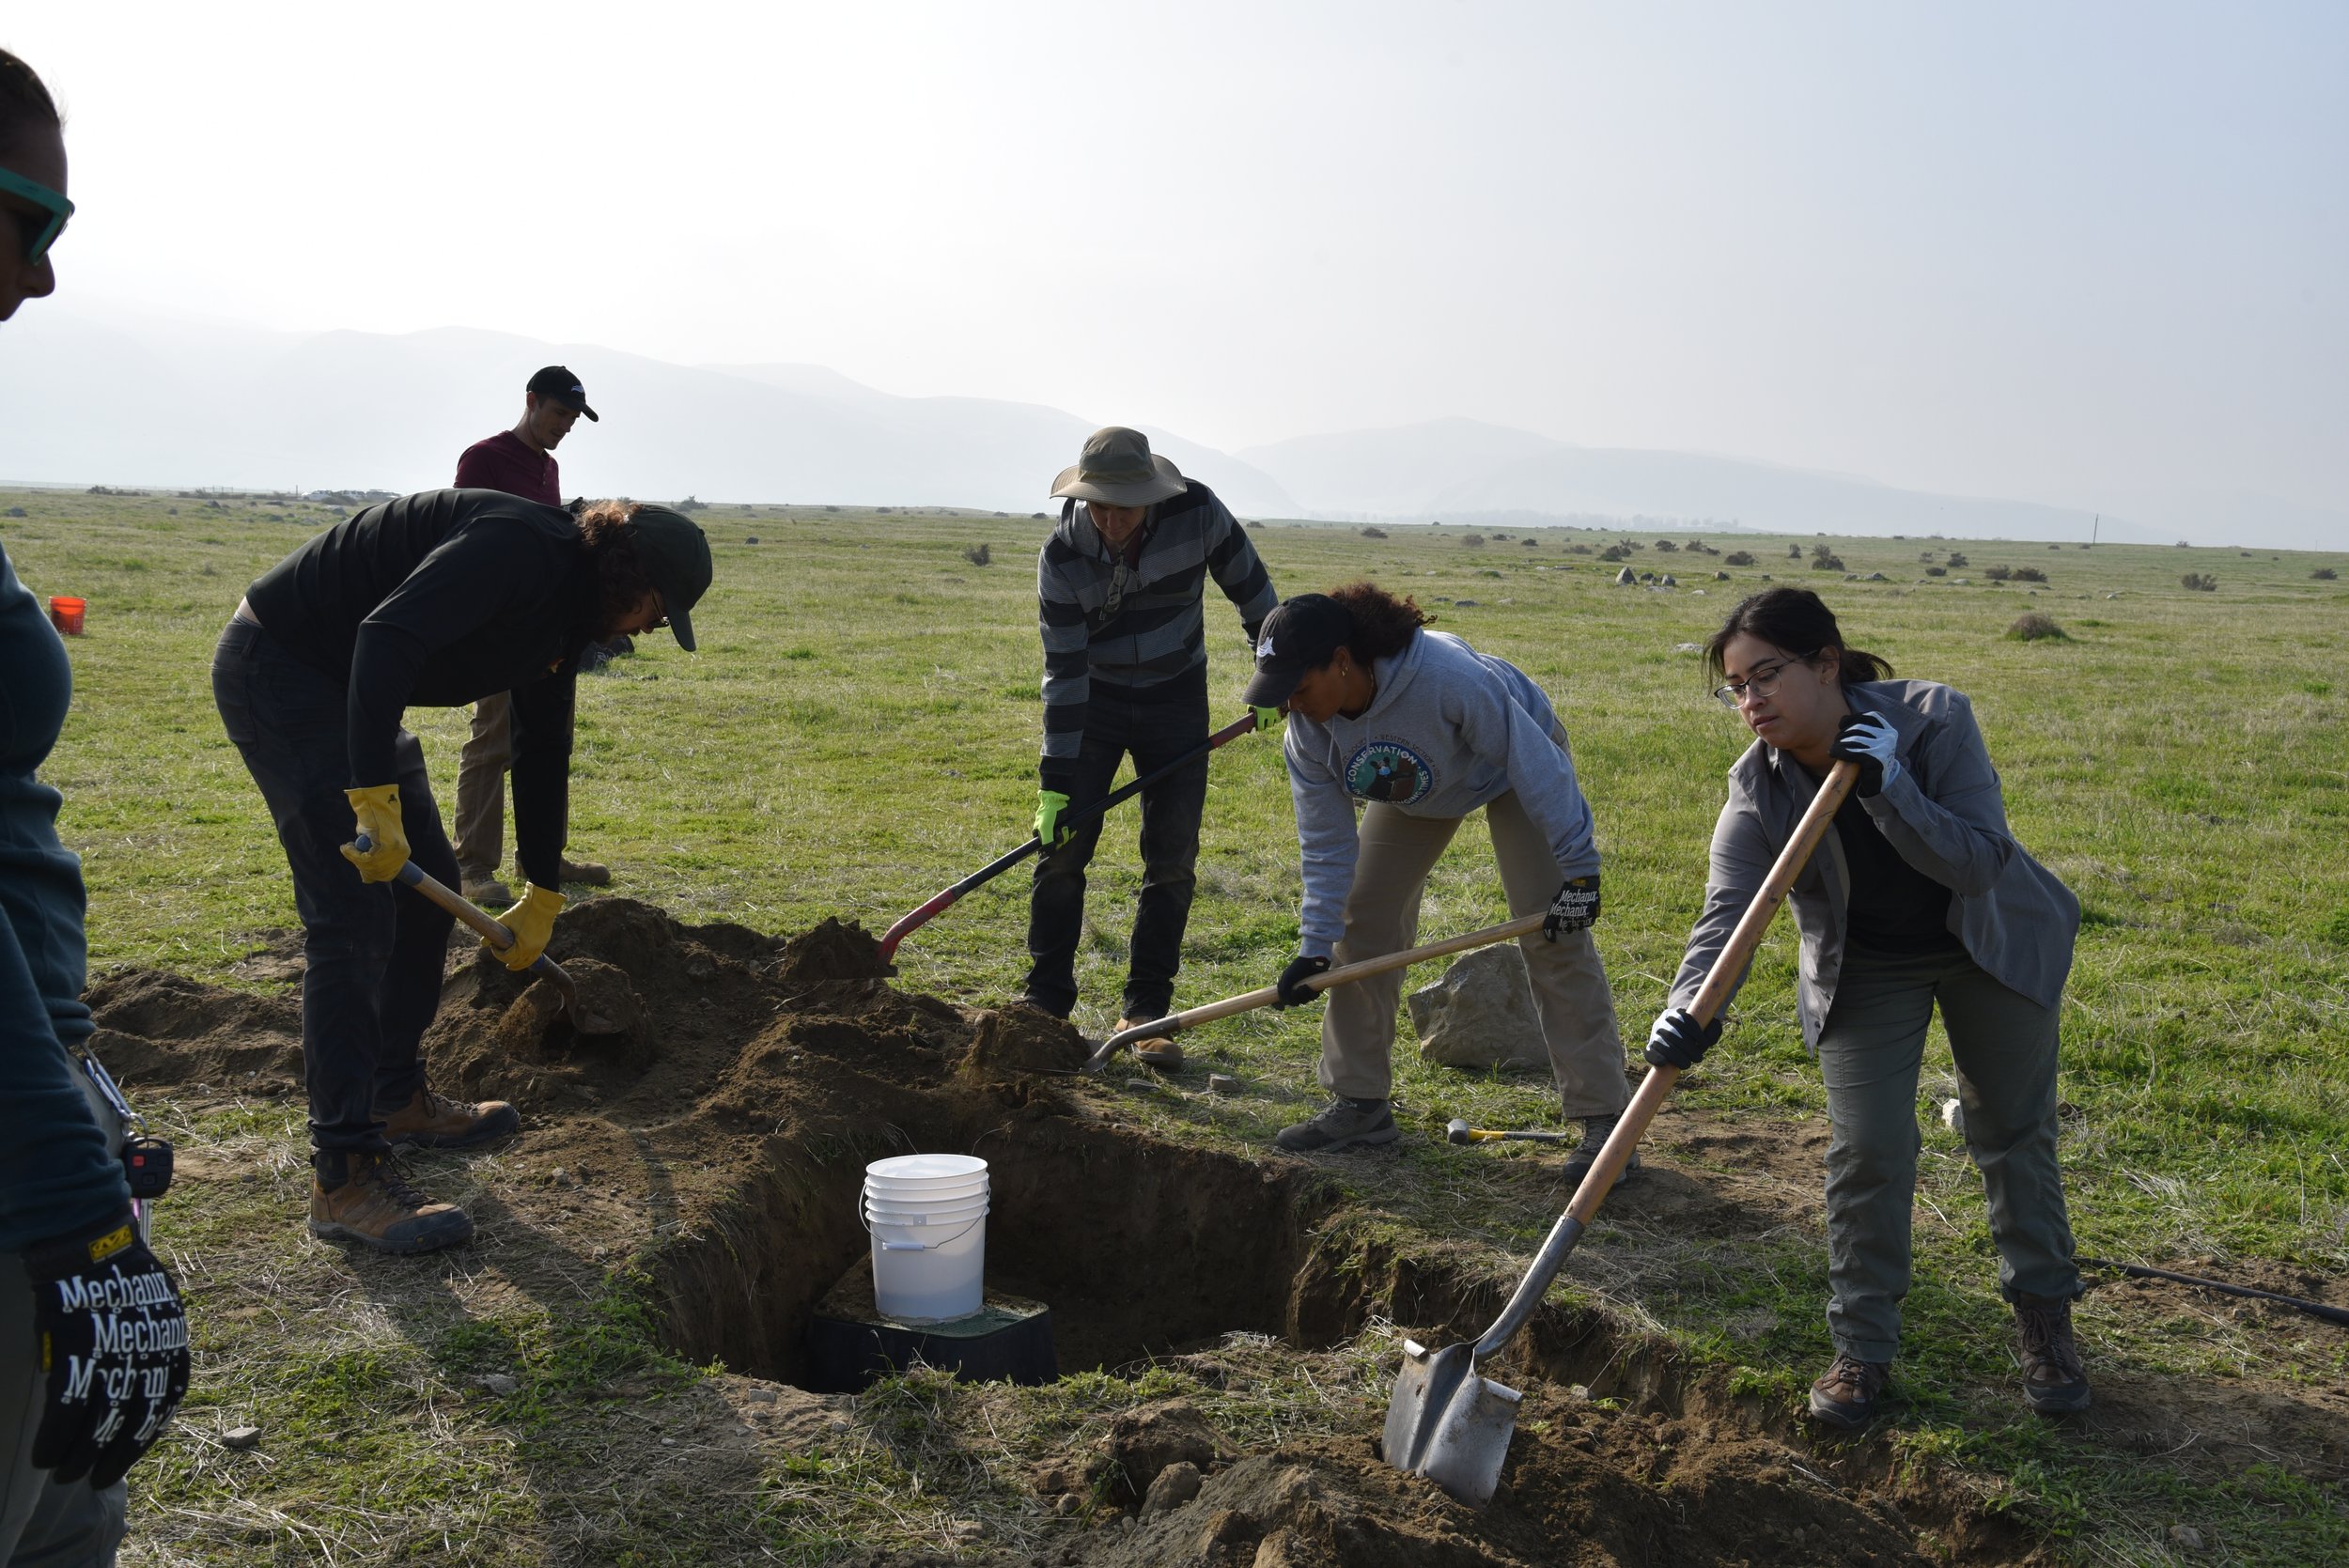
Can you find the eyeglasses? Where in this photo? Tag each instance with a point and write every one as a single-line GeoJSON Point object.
{"type": "Point", "coordinates": [42, 231]}
{"type": "Point", "coordinates": [1760, 683]}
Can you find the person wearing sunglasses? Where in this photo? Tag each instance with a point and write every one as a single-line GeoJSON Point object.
{"type": "Point", "coordinates": [1416, 729]}
{"type": "Point", "coordinates": [1920, 899]}
{"type": "Point", "coordinates": [441, 598]}
{"type": "Point", "coordinates": [93, 1338]}
{"type": "Point", "coordinates": [1120, 588]}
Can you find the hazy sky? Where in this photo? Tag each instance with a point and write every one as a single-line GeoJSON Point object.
{"type": "Point", "coordinates": [2077, 253]}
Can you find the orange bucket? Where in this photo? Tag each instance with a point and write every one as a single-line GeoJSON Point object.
{"type": "Point", "coordinates": [65, 614]}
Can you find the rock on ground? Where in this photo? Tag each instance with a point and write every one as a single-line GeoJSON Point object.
{"type": "Point", "coordinates": [1480, 1013]}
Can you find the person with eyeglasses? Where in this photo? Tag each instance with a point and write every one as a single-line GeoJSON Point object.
{"type": "Point", "coordinates": [1920, 899]}
{"type": "Point", "coordinates": [441, 598]}
{"type": "Point", "coordinates": [1415, 730]}
{"type": "Point", "coordinates": [1120, 588]}
{"type": "Point", "coordinates": [93, 1337]}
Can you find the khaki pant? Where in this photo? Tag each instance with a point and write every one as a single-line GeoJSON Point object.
{"type": "Point", "coordinates": [481, 789]}
{"type": "Point", "coordinates": [1395, 854]}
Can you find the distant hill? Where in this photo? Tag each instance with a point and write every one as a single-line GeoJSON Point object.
{"type": "Point", "coordinates": [1465, 471]}
{"type": "Point", "coordinates": [161, 403]}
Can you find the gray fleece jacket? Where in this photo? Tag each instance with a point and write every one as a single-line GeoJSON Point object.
{"type": "Point", "coordinates": [1450, 730]}
{"type": "Point", "coordinates": [1946, 816]}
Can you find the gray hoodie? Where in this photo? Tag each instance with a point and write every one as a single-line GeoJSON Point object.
{"type": "Point", "coordinates": [1450, 730]}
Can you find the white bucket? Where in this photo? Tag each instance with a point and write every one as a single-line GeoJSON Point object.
{"type": "Point", "coordinates": [927, 1217]}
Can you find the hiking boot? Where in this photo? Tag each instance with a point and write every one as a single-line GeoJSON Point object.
{"type": "Point", "coordinates": [1343, 1124]}
{"type": "Point", "coordinates": [1596, 1130]}
{"type": "Point", "coordinates": [590, 871]}
{"type": "Point", "coordinates": [487, 891]}
{"type": "Point", "coordinates": [1157, 1052]}
{"type": "Point", "coordinates": [2054, 1381]}
{"type": "Point", "coordinates": [1847, 1396]}
{"type": "Point", "coordinates": [369, 1201]}
{"type": "Point", "coordinates": [434, 1120]}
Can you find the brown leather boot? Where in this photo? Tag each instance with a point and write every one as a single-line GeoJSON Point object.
{"type": "Point", "coordinates": [432, 1120]}
{"type": "Point", "coordinates": [369, 1201]}
{"type": "Point", "coordinates": [1849, 1395]}
{"type": "Point", "coordinates": [1160, 1051]}
{"type": "Point", "coordinates": [594, 872]}
{"type": "Point", "coordinates": [2054, 1381]}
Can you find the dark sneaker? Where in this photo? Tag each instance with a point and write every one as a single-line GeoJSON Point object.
{"type": "Point", "coordinates": [487, 891]}
{"type": "Point", "coordinates": [371, 1203]}
{"type": "Point", "coordinates": [2053, 1380]}
{"type": "Point", "coordinates": [434, 1120]}
{"type": "Point", "coordinates": [1596, 1130]}
{"type": "Point", "coordinates": [1345, 1125]}
{"type": "Point", "coordinates": [594, 872]}
{"type": "Point", "coordinates": [1159, 1052]}
{"type": "Point", "coordinates": [1847, 1396]}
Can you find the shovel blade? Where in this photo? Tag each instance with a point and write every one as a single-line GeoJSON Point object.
{"type": "Point", "coordinates": [1449, 1422]}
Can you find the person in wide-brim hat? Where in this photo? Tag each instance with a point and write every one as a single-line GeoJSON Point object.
{"type": "Point", "coordinates": [1118, 469]}
{"type": "Point", "coordinates": [1119, 586]}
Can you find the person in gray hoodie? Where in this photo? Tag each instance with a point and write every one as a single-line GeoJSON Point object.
{"type": "Point", "coordinates": [1418, 729]}
{"type": "Point", "coordinates": [1919, 897]}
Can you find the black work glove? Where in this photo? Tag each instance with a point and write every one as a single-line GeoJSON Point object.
{"type": "Point", "coordinates": [1575, 909]}
{"type": "Point", "coordinates": [115, 1343]}
{"type": "Point", "coordinates": [1870, 740]}
{"type": "Point", "coordinates": [1678, 1040]}
{"type": "Point", "coordinates": [1292, 982]}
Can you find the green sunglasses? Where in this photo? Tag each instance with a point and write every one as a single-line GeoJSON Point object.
{"type": "Point", "coordinates": [38, 237]}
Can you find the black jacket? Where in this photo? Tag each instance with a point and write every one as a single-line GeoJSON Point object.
{"type": "Point", "coordinates": [445, 598]}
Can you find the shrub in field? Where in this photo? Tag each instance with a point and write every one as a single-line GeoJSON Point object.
{"type": "Point", "coordinates": [2030, 574]}
{"type": "Point", "coordinates": [2036, 628]}
{"type": "Point", "coordinates": [1665, 547]}
{"type": "Point", "coordinates": [1474, 541]}
{"type": "Point", "coordinates": [1374, 532]}
{"type": "Point", "coordinates": [1532, 544]}
{"type": "Point", "coordinates": [1794, 553]}
{"type": "Point", "coordinates": [1998, 574]}
{"type": "Point", "coordinates": [1936, 571]}
{"type": "Point", "coordinates": [1577, 550]}
{"type": "Point", "coordinates": [2324, 574]}
{"type": "Point", "coordinates": [977, 555]}
{"type": "Point", "coordinates": [1614, 552]}
{"type": "Point", "coordinates": [2201, 582]}
{"type": "Point", "coordinates": [1957, 559]}
{"type": "Point", "coordinates": [1738, 558]}
{"type": "Point", "coordinates": [1823, 559]}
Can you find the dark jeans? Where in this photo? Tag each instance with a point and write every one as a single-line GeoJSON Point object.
{"type": "Point", "coordinates": [1156, 734]}
{"type": "Point", "coordinates": [376, 949]}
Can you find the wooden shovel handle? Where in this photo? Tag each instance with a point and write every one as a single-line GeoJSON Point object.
{"type": "Point", "coordinates": [1714, 994]}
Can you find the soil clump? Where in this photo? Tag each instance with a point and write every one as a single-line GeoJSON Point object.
{"type": "Point", "coordinates": [1017, 1040]}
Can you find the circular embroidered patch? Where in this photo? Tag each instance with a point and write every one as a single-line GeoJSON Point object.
{"type": "Point", "coordinates": [1390, 771]}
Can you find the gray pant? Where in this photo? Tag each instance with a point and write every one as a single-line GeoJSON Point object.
{"type": "Point", "coordinates": [481, 789]}
{"type": "Point", "coordinates": [1869, 1052]}
{"type": "Point", "coordinates": [43, 1523]}
{"type": "Point", "coordinates": [1395, 854]}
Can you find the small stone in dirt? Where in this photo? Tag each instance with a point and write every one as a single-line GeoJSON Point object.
{"type": "Point", "coordinates": [1146, 1085]}
{"type": "Point", "coordinates": [240, 1437]}
{"type": "Point", "coordinates": [668, 1442]}
{"type": "Point", "coordinates": [1222, 1083]}
{"type": "Point", "coordinates": [759, 1396]}
{"type": "Point", "coordinates": [1176, 1486]}
{"type": "Point", "coordinates": [2186, 1537]}
{"type": "Point", "coordinates": [1145, 1440]}
{"type": "Point", "coordinates": [499, 1384]}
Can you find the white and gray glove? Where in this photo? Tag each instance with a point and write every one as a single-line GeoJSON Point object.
{"type": "Point", "coordinates": [1868, 739]}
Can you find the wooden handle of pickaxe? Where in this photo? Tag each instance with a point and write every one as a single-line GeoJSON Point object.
{"type": "Point", "coordinates": [491, 931]}
{"type": "Point", "coordinates": [1362, 970]}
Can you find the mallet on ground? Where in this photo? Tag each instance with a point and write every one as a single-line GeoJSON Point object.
{"type": "Point", "coordinates": [1447, 1420]}
{"type": "Point", "coordinates": [939, 903]}
{"type": "Point", "coordinates": [1458, 1131]}
{"type": "Point", "coordinates": [497, 936]}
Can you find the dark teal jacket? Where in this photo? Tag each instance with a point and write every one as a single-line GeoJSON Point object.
{"type": "Point", "coordinates": [56, 1175]}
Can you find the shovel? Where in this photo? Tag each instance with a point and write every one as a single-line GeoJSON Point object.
{"type": "Point", "coordinates": [497, 936]}
{"type": "Point", "coordinates": [1175, 1023]}
{"type": "Point", "coordinates": [939, 903]}
{"type": "Point", "coordinates": [1448, 1421]}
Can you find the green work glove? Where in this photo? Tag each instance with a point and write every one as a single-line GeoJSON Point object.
{"type": "Point", "coordinates": [532, 920]}
{"type": "Point", "coordinates": [1268, 720]}
{"type": "Point", "coordinates": [1050, 805]}
{"type": "Point", "coordinates": [378, 811]}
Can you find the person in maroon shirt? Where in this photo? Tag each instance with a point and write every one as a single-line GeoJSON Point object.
{"type": "Point", "coordinates": [520, 462]}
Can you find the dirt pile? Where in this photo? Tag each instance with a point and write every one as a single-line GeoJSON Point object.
{"type": "Point", "coordinates": [831, 952]}
{"type": "Point", "coordinates": [1017, 1040]}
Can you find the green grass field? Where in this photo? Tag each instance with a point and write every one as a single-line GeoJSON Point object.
{"type": "Point", "coordinates": [860, 728]}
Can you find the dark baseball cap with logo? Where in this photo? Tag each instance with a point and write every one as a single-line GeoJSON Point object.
{"type": "Point", "coordinates": [675, 553]}
{"type": "Point", "coordinates": [1303, 633]}
{"type": "Point", "coordinates": [556, 381]}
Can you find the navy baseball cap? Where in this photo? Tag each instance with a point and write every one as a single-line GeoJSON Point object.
{"type": "Point", "coordinates": [556, 381]}
{"type": "Point", "coordinates": [1303, 633]}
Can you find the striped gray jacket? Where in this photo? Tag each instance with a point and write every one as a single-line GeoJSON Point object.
{"type": "Point", "coordinates": [1138, 628]}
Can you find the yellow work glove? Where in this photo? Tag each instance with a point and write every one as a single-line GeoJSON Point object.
{"type": "Point", "coordinates": [1268, 720]}
{"type": "Point", "coordinates": [532, 920]}
{"type": "Point", "coordinates": [378, 811]}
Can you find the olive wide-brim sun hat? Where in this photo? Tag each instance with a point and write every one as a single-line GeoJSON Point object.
{"type": "Point", "coordinates": [1118, 469]}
